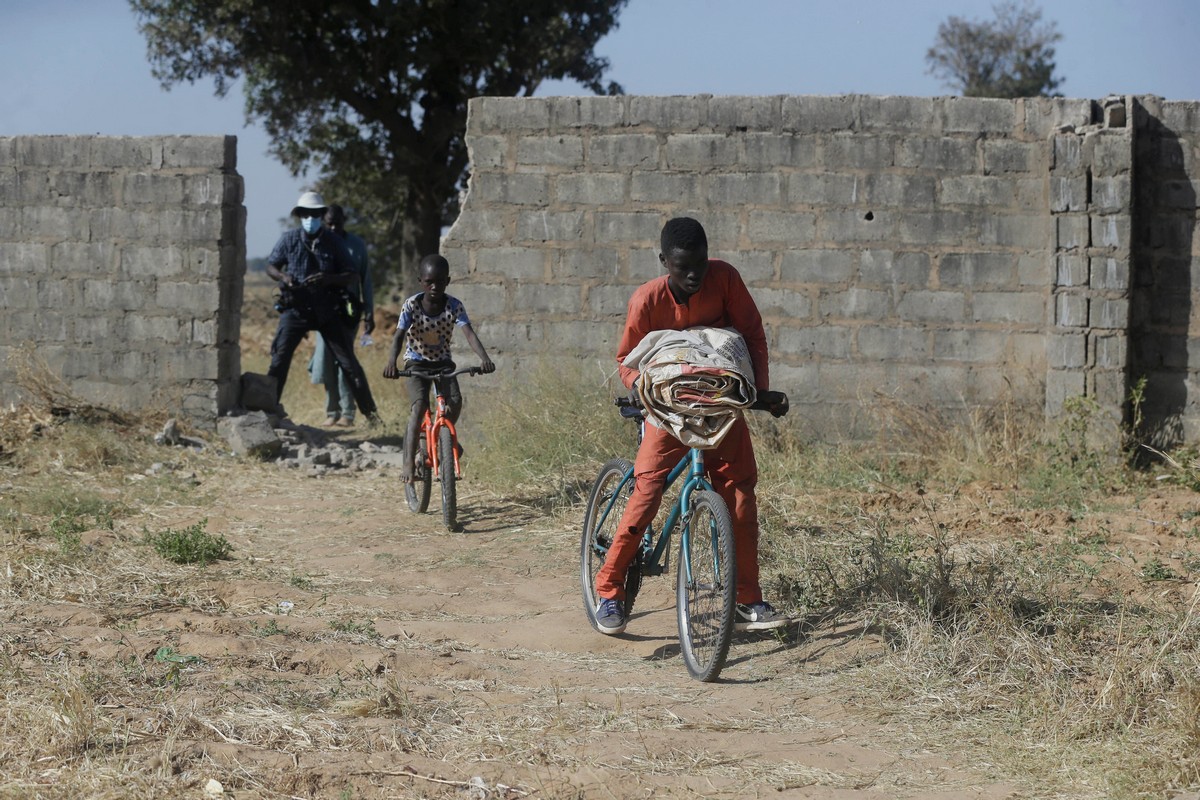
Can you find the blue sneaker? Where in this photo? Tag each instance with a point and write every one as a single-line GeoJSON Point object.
{"type": "Point", "coordinates": [610, 617]}
{"type": "Point", "coordinates": [758, 617]}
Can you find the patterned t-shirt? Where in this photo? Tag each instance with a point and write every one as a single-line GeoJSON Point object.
{"type": "Point", "coordinates": [429, 337]}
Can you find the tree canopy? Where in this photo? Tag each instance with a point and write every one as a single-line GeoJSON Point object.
{"type": "Point", "coordinates": [1009, 56]}
{"type": "Point", "coordinates": [372, 94]}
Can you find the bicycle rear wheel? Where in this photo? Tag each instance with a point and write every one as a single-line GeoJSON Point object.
{"type": "Point", "coordinates": [447, 478]}
{"type": "Point", "coordinates": [417, 492]}
{"type": "Point", "coordinates": [605, 505]}
{"type": "Point", "coordinates": [706, 586]}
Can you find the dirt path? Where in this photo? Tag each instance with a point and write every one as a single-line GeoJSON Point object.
{"type": "Point", "coordinates": [413, 662]}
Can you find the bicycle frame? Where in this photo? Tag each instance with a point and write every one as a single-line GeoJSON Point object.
{"type": "Point", "coordinates": [655, 546]}
{"type": "Point", "coordinates": [432, 423]}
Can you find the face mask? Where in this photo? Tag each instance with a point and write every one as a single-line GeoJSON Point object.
{"type": "Point", "coordinates": [311, 224]}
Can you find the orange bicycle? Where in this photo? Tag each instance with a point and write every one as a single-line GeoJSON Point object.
{"type": "Point", "coordinates": [437, 449]}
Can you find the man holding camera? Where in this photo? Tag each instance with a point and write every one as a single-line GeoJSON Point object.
{"type": "Point", "coordinates": [313, 269]}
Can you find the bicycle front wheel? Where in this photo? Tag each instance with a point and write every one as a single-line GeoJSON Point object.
{"type": "Point", "coordinates": [447, 478]}
{"type": "Point", "coordinates": [606, 504]}
{"type": "Point", "coordinates": [706, 586]}
{"type": "Point", "coordinates": [417, 492]}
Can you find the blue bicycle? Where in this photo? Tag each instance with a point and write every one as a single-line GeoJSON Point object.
{"type": "Point", "coordinates": [706, 573]}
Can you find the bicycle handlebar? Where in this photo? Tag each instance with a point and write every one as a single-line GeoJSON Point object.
{"type": "Point", "coordinates": [440, 372]}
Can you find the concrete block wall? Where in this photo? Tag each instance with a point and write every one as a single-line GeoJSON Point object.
{"type": "Point", "coordinates": [121, 261]}
{"type": "Point", "coordinates": [945, 251]}
{"type": "Point", "coordinates": [1165, 269]}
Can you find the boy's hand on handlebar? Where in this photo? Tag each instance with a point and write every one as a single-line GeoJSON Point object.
{"type": "Point", "coordinates": [391, 371]}
{"type": "Point", "coordinates": [487, 366]}
{"type": "Point", "coordinates": [775, 402]}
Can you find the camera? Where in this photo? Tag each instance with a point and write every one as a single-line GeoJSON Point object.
{"type": "Point", "coordinates": [285, 298]}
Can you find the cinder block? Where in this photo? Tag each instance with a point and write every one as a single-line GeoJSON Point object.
{"type": "Point", "coordinates": [892, 268]}
{"type": "Point", "coordinates": [552, 151]}
{"type": "Point", "coordinates": [783, 303]}
{"type": "Point", "coordinates": [1062, 385]}
{"type": "Point", "coordinates": [857, 151]}
{"type": "Point", "coordinates": [825, 190]}
{"type": "Point", "coordinates": [1109, 273]}
{"type": "Point", "coordinates": [770, 151]}
{"type": "Point", "coordinates": [608, 300]}
{"type": "Point", "coordinates": [186, 152]}
{"type": "Point", "coordinates": [149, 262]}
{"type": "Point", "coordinates": [508, 114]}
{"type": "Point", "coordinates": [483, 300]}
{"type": "Point", "coordinates": [854, 303]}
{"type": "Point", "coordinates": [978, 115]}
{"type": "Point", "coordinates": [893, 344]}
{"type": "Point", "coordinates": [1004, 155]}
{"type": "Point", "coordinates": [1107, 313]}
{"type": "Point", "coordinates": [487, 153]}
{"type": "Point", "coordinates": [483, 225]}
{"type": "Point", "coordinates": [19, 292]}
{"type": "Point", "coordinates": [676, 113]}
{"type": "Point", "coordinates": [518, 189]}
{"type": "Point", "coordinates": [602, 263]}
{"type": "Point", "coordinates": [969, 346]}
{"type": "Point", "coordinates": [1068, 193]}
{"type": "Point", "coordinates": [818, 114]}
{"type": "Point", "coordinates": [1045, 115]}
{"type": "Point", "coordinates": [604, 113]}
{"type": "Point", "coordinates": [202, 332]}
{"type": "Point", "coordinates": [977, 270]}
{"type": "Point", "coordinates": [741, 189]}
{"type": "Point", "coordinates": [817, 266]}
{"type": "Point", "coordinates": [620, 226]}
{"type": "Point", "coordinates": [54, 224]}
{"type": "Point", "coordinates": [1035, 269]}
{"type": "Point", "coordinates": [59, 152]}
{"type": "Point", "coordinates": [1112, 352]}
{"type": "Point", "coordinates": [931, 306]}
{"type": "Point", "coordinates": [1112, 151]}
{"type": "Point", "coordinates": [598, 189]}
{"type": "Point", "coordinates": [852, 226]}
{"type": "Point", "coordinates": [1068, 154]}
{"type": "Point", "coordinates": [781, 226]}
{"type": "Point", "coordinates": [1070, 310]}
{"type": "Point", "coordinates": [548, 299]}
{"type": "Point", "coordinates": [1066, 351]}
{"type": "Point", "coordinates": [741, 114]}
{"type": "Point", "coordinates": [56, 292]}
{"type": "Point", "coordinates": [89, 330]}
{"type": "Point", "coordinates": [146, 188]}
{"type": "Point", "coordinates": [1114, 194]}
{"type": "Point", "coordinates": [1015, 308]}
{"type": "Point", "coordinates": [198, 298]}
{"type": "Point", "coordinates": [1112, 230]}
{"type": "Point", "coordinates": [911, 191]}
{"type": "Point", "coordinates": [665, 187]}
{"type": "Point", "coordinates": [817, 341]}
{"type": "Point", "coordinates": [756, 266]}
{"type": "Point", "coordinates": [634, 150]}
{"type": "Point", "coordinates": [120, 152]}
{"type": "Point", "coordinates": [899, 114]}
{"type": "Point", "coordinates": [527, 264]}
{"type": "Point", "coordinates": [1072, 270]}
{"type": "Point", "coordinates": [25, 258]}
{"type": "Point", "coordinates": [1071, 232]}
{"type": "Point", "coordinates": [946, 154]}
{"type": "Point", "coordinates": [700, 151]}
{"type": "Point", "coordinates": [937, 227]}
{"type": "Point", "coordinates": [79, 189]}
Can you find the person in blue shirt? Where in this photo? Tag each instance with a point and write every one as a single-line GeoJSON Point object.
{"type": "Point", "coordinates": [427, 322]}
{"type": "Point", "coordinates": [339, 396]}
{"type": "Point", "coordinates": [313, 269]}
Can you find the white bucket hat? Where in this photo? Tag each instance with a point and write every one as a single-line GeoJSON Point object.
{"type": "Point", "coordinates": [310, 200]}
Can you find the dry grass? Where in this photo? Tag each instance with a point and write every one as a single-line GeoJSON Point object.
{"type": "Point", "coordinates": [1037, 649]}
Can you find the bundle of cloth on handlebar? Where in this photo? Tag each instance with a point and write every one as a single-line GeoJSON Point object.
{"type": "Point", "coordinates": [694, 383]}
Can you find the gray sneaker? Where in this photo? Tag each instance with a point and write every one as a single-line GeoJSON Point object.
{"type": "Point", "coordinates": [610, 616]}
{"type": "Point", "coordinates": [758, 617]}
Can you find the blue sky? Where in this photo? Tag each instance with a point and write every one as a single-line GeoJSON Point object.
{"type": "Point", "coordinates": [79, 66]}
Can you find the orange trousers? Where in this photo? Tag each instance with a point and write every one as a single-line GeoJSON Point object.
{"type": "Point", "coordinates": [733, 472]}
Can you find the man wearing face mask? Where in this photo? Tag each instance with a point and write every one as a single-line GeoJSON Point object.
{"type": "Point", "coordinates": [312, 266]}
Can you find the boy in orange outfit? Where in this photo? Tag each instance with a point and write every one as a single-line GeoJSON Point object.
{"type": "Point", "coordinates": [695, 291]}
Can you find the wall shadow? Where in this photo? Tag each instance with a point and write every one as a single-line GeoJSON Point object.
{"type": "Point", "coordinates": [1164, 217]}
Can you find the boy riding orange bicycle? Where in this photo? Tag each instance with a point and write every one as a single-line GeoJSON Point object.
{"type": "Point", "coordinates": [425, 328]}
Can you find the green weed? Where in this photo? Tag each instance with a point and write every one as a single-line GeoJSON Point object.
{"type": "Point", "coordinates": [192, 545]}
